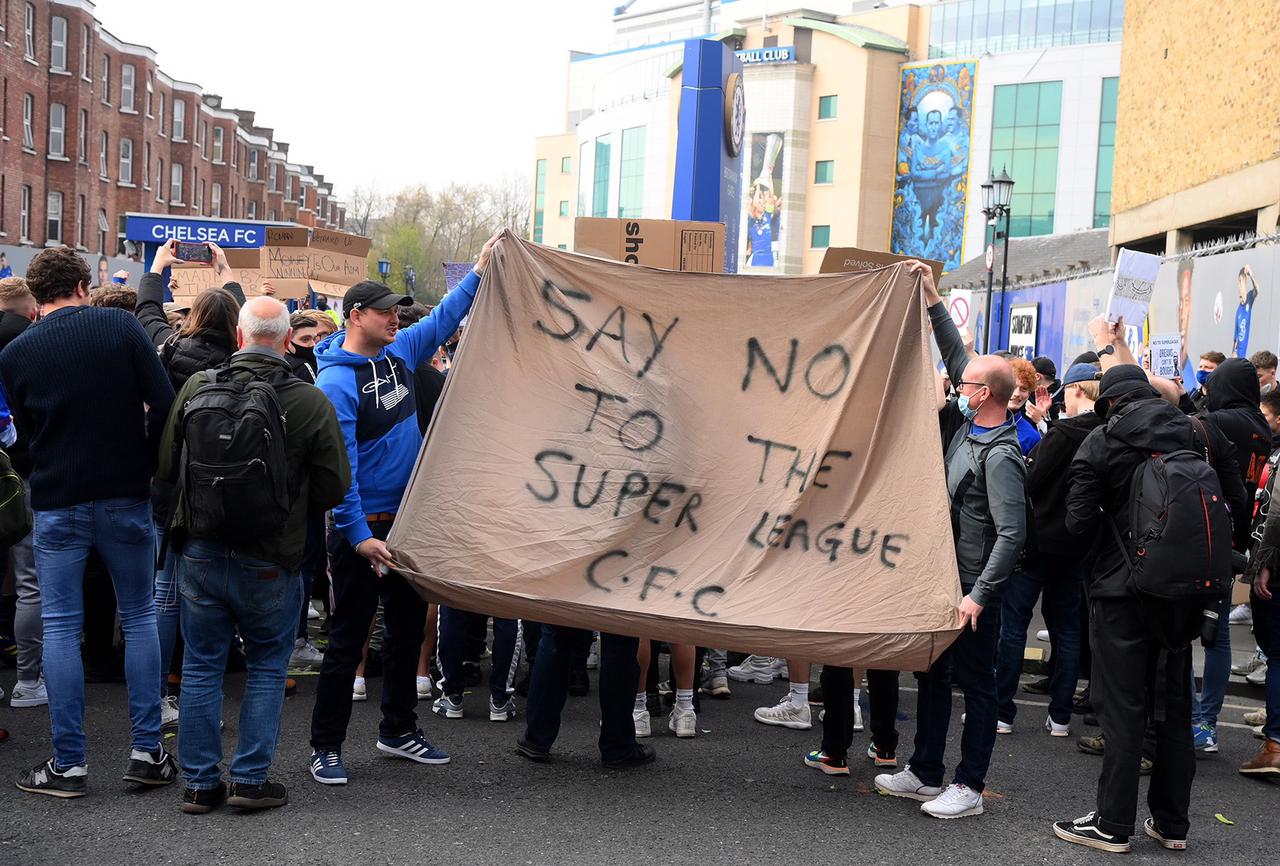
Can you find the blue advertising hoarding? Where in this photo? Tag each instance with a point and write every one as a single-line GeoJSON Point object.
{"type": "Point", "coordinates": [931, 172]}
{"type": "Point", "coordinates": [158, 228]}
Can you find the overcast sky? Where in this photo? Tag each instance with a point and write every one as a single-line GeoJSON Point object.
{"type": "Point", "coordinates": [397, 93]}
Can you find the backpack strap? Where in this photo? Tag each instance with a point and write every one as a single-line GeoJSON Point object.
{"type": "Point", "coordinates": [1197, 426]}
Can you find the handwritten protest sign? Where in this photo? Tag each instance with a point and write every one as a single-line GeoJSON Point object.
{"type": "Point", "coordinates": [727, 461]}
{"type": "Point", "coordinates": [338, 258]}
{"type": "Point", "coordinates": [293, 261]}
{"type": "Point", "coordinates": [245, 269]}
{"type": "Point", "coordinates": [1134, 282]}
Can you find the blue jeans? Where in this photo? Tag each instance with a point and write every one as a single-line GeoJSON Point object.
{"type": "Point", "coordinates": [222, 592]}
{"type": "Point", "coordinates": [971, 663]}
{"type": "Point", "coordinates": [455, 628]}
{"type": "Point", "coordinates": [1271, 637]}
{"type": "Point", "coordinates": [559, 649]}
{"type": "Point", "coordinates": [120, 530]}
{"type": "Point", "coordinates": [1206, 705]}
{"type": "Point", "coordinates": [167, 608]}
{"type": "Point", "coordinates": [1059, 579]}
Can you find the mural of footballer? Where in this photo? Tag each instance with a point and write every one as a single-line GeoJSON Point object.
{"type": "Point", "coordinates": [1244, 312]}
{"type": "Point", "coordinates": [762, 206]}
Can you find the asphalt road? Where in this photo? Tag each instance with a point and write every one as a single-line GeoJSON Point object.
{"type": "Point", "coordinates": [737, 794]}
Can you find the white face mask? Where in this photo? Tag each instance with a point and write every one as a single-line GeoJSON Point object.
{"type": "Point", "coordinates": [1268, 388]}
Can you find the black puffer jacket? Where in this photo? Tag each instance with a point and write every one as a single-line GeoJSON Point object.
{"type": "Point", "coordinates": [1232, 407]}
{"type": "Point", "coordinates": [1048, 473]}
{"type": "Point", "coordinates": [182, 356]}
{"type": "Point", "coordinates": [1137, 424]}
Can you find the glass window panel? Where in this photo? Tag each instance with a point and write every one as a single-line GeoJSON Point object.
{"type": "Point", "coordinates": [1022, 166]}
{"type": "Point", "coordinates": [980, 20]}
{"type": "Point", "coordinates": [935, 32]}
{"type": "Point", "coordinates": [949, 27]}
{"type": "Point", "coordinates": [1117, 17]}
{"type": "Point", "coordinates": [1019, 226]}
{"type": "Point", "coordinates": [824, 171]}
{"type": "Point", "coordinates": [1027, 26]}
{"type": "Point", "coordinates": [1000, 160]}
{"type": "Point", "coordinates": [1050, 102]}
{"type": "Point", "coordinates": [1027, 98]}
{"type": "Point", "coordinates": [964, 25]}
{"type": "Point", "coordinates": [1106, 163]}
{"type": "Point", "coordinates": [1005, 105]}
{"type": "Point", "coordinates": [1098, 17]}
{"type": "Point", "coordinates": [1107, 134]}
{"type": "Point", "coordinates": [1041, 204]}
{"type": "Point", "coordinates": [1001, 138]}
{"type": "Point", "coordinates": [1021, 201]}
{"type": "Point", "coordinates": [1102, 210]}
{"type": "Point", "coordinates": [1024, 136]}
{"type": "Point", "coordinates": [1045, 177]}
{"type": "Point", "coordinates": [820, 237]}
{"type": "Point", "coordinates": [1110, 97]}
{"type": "Point", "coordinates": [1047, 136]}
{"type": "Point", "coordinates": [1044, 24]}
{"type": "Point", "coordinates": [600, 182]}
{"type": "Point", "coordinates": [1041, 225]}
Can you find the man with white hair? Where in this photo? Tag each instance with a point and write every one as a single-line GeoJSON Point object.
{"type": "Point", "coordinates": [239, 568]}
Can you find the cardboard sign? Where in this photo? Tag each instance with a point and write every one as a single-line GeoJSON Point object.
{"type": "Point", "coordinates": [840, 260]}
{"type": "Point", "coordinates": [1164, 354]}
{"type": "Point", "coordinates": [1024, 328]}
{"type": "Point", "coordinates": [1133, 284]}
{"type": "Point", "coordinates": [245, 269]}
{"type": "Point", "coordinates": [676, 245]}
{"type": "Point", "coordinates": [701, 469]}
{"type": "Point", "coordinates": [338, 258]}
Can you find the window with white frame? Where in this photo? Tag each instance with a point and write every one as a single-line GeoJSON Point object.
{"type": "Point", "coordinates": [127, 75]}
{"type": "Point", "coordinates": [24, 214]}
{"type": "Point", "coordinates": [159, 180]}
{"type": "Point", "coordinates": [103, 144]}
{"type": "Point", "coordinates": [271, 177]}
{"type": "Point", "coordinates": [150, 91]}
{"type": "Point", "coordinates": [80, 205]}
{"type": "Point", "coordinates": [84, 136]}
{"type": "Point", "coordinates": [103, 228]}
{"type": "Point", "coordinates": [57, 129]}
{"type": "Point", "coordinates": [179, 119]}
{"type": "Point", "coordinates": [28, 128]}
{"type": "Point", "coordinates": [58, 44]}
{"type": "Point", "coordinates": [204, 138]}
{"type": "Point", "coordinates": [215, 200]}
{"type": "Point", "coordinates": [195, 174]}
{"type": "Point", "coordinates": [106, 79]}
{"type": "Point", "coordinates": [146, 165]}
{"type": "Point", "coordinates": [175, 183]}
{"type": "Point", "coordinates": [252, 213]}
{"type": "Point", "coordinates": [217, 143]}
{"type": "Point", "coordinates": [31, 38]}
{"type": "Point", "coordinates": [253, 165]}
{"type": "Point", "coordinates": [126, 160]}
{"type": "Point", "coordinates": [53, 230]}
{"type": "Point", "coordinates": [84, 51]}
{"type": "Point", "coordinates": [160, 117]}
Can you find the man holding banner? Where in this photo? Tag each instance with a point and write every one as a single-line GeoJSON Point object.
{"type": "Point", "coordinates": [367, 372]}
{"type": "Point", "coordinates": [985, 482]}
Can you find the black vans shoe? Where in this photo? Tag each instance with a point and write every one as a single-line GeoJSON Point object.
{"type": "Point", "coordinates": [268, 795]}
{"type": "Point", "coordinates": [1171, 841]}
{"type": "Point", "coordinates": [151, 768]}
{"type": "Point", "coordinates": [1084, 831]}
{"type": "Point", "coordinates": [48, 779]}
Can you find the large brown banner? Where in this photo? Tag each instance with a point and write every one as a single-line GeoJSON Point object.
{"type": "Point", "coordinates": [745, 462]}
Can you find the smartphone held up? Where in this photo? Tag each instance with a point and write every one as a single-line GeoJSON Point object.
{"type": "Point", "coordinates": [199, 253]}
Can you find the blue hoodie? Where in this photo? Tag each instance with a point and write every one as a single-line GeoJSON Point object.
{"type": "Point", "coordinates": [374, 399]}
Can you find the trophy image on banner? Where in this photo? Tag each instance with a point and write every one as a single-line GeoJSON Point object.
{"type": "Point", "coordinates": [762, 204]}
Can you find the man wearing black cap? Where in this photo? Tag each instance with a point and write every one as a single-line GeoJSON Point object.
{"type": "Point", "coordinates": [367, 372]}
{"type": "Point", "coordinates": [1057, 569]}
{"type": "Point", "coordinates": [1134, 672]}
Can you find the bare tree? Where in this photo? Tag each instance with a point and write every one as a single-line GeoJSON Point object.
{"type": "Point", "coordinates": [367, 204]}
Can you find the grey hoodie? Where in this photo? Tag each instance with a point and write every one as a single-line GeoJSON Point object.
{"type": "Point", "coordinates": [986, 479]}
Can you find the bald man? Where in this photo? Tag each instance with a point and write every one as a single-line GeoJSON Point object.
{"type": "Point", "coordinates": [247, 583]}
{"type": "Point", "coordinates": [985, 483]}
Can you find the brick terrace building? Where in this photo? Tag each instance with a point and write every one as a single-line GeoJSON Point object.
{"type": "Point", "coordinates": [93, 129]}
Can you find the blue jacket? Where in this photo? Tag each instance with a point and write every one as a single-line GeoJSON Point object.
{"type": "Point", "coordinates": [374, 399]}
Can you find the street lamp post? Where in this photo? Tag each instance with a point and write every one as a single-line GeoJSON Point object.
{"type": "Point", "coordinates": [384, 268]}
{"type": "Point", "coordinates": [997, 193]}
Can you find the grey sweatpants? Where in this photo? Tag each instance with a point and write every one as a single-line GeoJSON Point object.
{"type": "Point", "coordinates": [28, 631]}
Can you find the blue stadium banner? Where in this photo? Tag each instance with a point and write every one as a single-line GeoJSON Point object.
{"type": "Point", "coordinates": [158, 228]}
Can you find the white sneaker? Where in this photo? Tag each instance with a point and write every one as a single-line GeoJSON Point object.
{"type": "Point", "coordinates": [29, 694]}
{"type": "Point", "coordinates": [168, 712]}
{"type": "Point", "coordinates": [1250, 666]}
{"type": "Point", "coordinates": [1004, 727]}
{"type": "Point", "coordinates": [957, 801]}
{"type": "Point", "coordinates": [593, 657]}
{"type": "Point", "coordinates": [1043, 635]}
{"type": "Point", "coordinates": [1055, 729]}
{"type": "Point", "coordinates": [424, 688]}
{"type": "Point", "coordinates": [1241, 614]}
{"type": "Point", "coordinates": [1253, 718]}
{"type": "Point", "coordinates": [758, 669]}
{"type": "Point", "coordinates": [785, 714]}
{"type": "Point", "coordinates": [857, 718]}
{"type": "Point", "coordinates": [312, 613]}
{"type": "Point", "coordinates": [683, 723]}
{"type": "Point", "coordinates": [643, 727]}
{"type": "Point", "coordinates": [305, 654]}
{"type": "Point", "coordinates": [905, 784]}
{"type": "Point", "coordinates": [358, 692]}
{"type": "Point", "coordinates": [1258, 677]}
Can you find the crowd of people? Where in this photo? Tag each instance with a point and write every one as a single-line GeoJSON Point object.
{"type": "Point", "coordinates": [217, 476]}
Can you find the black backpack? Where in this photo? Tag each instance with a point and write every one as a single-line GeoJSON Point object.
{"type": "Point", "coordinates": [235, 473]}
{"type": "Point", "coordinates": [15, 515]}
{"type": "Point", "coordinates": [1179, 544]}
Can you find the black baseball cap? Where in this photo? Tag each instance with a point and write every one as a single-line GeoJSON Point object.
{"type": "Point", "coordinates": [368, 295]}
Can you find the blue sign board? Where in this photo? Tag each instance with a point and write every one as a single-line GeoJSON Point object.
{"type": "Point", "coordinates": [711, 129]}
{"type": "Point", "coordinates": [158, 228]}
{"type": "Point", "coordinates": [774, 54]}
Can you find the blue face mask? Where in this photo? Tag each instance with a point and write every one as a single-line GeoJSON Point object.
{"type": "Point", "coordinates": [1202, 376]}
{"type": "Point", "coordinates": [966, 410]}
